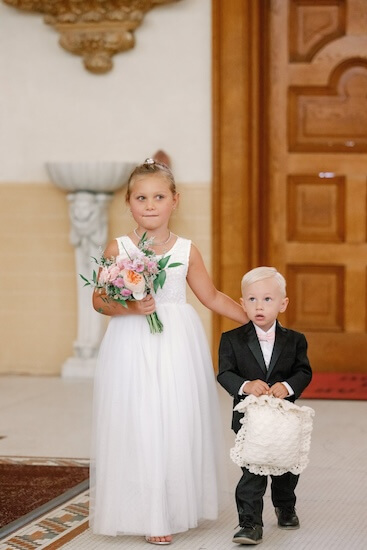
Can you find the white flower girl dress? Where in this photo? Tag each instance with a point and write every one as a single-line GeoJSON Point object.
{"type": "Point", "coordinates": [155, 466]}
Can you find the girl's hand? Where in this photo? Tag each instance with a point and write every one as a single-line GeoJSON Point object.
{"type": "Point", "coordinates": [256, 387]}
{"type": "Point", "coordinates": [108, 306]}
{"type": "Point", "coordinates": [278, 390]}
{"type": "Point", "coordinates": [146, 306]}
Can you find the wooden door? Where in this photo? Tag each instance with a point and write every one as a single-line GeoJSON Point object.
{"type": "Point", "coordinates": [311, 171]}
{"type": "Point", "coordinates": [317, 173]}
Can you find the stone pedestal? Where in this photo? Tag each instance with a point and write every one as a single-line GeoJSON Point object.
{"type": "Point", "coordinates": [90, 188]}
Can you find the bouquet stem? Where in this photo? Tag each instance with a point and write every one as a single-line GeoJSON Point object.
{"type": "Point", "coordinates": [154, 323]}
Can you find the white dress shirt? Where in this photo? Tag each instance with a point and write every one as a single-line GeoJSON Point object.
{"type": "Point", "coordinates": [267, 350]}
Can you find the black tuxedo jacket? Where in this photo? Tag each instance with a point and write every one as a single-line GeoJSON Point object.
{"type": "Point", "coordinates": [241, 359]}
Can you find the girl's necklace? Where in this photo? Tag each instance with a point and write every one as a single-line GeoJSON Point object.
{"type": "Point", "coordinates": [155, 244]}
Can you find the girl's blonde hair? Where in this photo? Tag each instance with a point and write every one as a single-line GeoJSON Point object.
{"type": "Point", "coordinates": [148, 168]}
{"type": "Point", "coordinates": [261, 273]}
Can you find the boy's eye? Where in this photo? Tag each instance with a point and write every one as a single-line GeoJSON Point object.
{"type": "Point", "coordinates": [268, 299]}
{"type": "Point", "coordinates": [252, 299]}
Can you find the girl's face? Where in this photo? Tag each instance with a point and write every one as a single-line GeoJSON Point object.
{"type": "Point", "coordinates": [262, 301]}
{"type": "Point", "coordinates": [152, 201]}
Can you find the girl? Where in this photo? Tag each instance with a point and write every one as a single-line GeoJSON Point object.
{"type": "Point", "coordinates": [154, 467]}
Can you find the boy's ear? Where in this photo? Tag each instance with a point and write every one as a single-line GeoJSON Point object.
{"type": "Point", "coordinates": [242, 304]}
{"type": "Point", "coordinates": [284, 305]}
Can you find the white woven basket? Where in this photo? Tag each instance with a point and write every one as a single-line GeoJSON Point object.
{"type": "Point", "coordinates": [275, 436]}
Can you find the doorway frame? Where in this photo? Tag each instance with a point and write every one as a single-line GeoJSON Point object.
{"type": "Point", "coordinates": [239, 220]}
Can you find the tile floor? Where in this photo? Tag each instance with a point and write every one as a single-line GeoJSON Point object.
{"type": "Point", "coordinates": [51, 417]}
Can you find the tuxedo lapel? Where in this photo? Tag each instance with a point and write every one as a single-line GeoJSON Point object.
{"type": "Point", "coordinates": [280, 340]}
{"type": "Point", "coordinates": [254, 345]}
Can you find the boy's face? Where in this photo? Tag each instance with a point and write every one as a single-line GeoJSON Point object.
{"type": "Point", "coordinates": [262, 301]}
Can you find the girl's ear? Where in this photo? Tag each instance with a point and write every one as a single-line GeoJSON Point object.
{"type": "Point", "coordinates": [284, 305]}
{"type": "Point", "coordinates": [176, 200]}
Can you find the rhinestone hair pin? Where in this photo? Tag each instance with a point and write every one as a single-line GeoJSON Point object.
{"type": "Point", "coordinates": [149, 161]}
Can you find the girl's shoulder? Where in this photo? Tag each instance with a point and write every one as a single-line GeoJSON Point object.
{"type": "Point", "coordinates": [111, 249]}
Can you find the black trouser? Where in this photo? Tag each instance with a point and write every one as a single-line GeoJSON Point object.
{"type": "Point", "coordinates": [251, 489]}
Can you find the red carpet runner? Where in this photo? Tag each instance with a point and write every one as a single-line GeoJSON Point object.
{"type": "Point", "coordinates": [326, 385]}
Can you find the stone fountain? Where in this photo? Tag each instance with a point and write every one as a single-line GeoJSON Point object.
{"type": "Point", "coordinates": [90, 187]}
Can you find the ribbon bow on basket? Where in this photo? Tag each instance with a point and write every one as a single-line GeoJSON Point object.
{"type": "Point", "coordinates": [275, 436]}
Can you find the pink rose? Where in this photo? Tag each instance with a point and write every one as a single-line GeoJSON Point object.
{"type": "Point", "coordinates": [121, 262]}
{"type": "Point", "coordinates": [126, 292]}
{"type": "Point", "coordinates": [119, 282]}
{"type": "Point", "coordinates": [152, 267]}
{"type": "Point", "coordinates": [103, 276]}
{"type": "Point", "coordinates": [139, 266]}
{"type": "Point", "coordinates": [114, 272]}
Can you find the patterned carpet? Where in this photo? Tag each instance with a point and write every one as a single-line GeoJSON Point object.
{"type": "Point", "coordinates": [346, 386]}
{"type": "Point", "coordinates": [52, 530]}
{"type": "Point", "coordinates": [41, 501]}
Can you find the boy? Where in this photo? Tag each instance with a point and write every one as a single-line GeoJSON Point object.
{"type": "Point", "coordinates": [262, 357]}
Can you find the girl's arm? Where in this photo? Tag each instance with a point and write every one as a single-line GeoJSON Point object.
{"type": "Point", "coordinates": [204, 289]}
{"type": "Point", "coordinates": [111, 307]}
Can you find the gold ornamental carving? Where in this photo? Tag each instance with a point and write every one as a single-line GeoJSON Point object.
{"type": "Point", "coordinates": [94, 29]}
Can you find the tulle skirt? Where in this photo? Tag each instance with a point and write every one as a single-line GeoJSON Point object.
{"type": "Point", "coordinates": [157, 464]}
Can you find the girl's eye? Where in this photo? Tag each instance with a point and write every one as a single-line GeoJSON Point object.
{"type": "Point", "coordinates": [140, 198]}
{"type": "Point", "coordinates": [159, 197]}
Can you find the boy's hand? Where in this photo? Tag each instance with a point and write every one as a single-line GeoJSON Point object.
{"type": "Point", "coordinates": [278, 390]}
{"type": "Point", "coordinates": [256, 387]}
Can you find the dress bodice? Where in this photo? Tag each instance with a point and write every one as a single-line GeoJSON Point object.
{"type": "Point", "coordinates": [174, 288]}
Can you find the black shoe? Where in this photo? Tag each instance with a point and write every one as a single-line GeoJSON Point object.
{"type": "Point", "coordinates": [287, 518]}
{"type": "Point", "coordinates": [249, 534]}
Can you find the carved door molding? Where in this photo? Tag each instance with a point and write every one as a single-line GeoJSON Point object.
{"type": "Point", "coordinates": [237, 53]}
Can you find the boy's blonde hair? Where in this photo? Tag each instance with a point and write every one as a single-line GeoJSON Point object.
{"type": "Point", "coordinates": [260, 273]}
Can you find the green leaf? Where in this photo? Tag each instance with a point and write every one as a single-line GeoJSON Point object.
{"type": "Point", "coordinates": [87, 282]}
{"type": "Point", "coordinates": [175, 264]}
{"type": "Point", "coordinates": [155, 284]}
{"type": "Point", "coordinates": [161, 278]}
{"type": "Point", "coordinates": [163, 262]}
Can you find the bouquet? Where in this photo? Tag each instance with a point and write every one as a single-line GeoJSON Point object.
{"type": "Point", "coordinates": [132, 278]}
